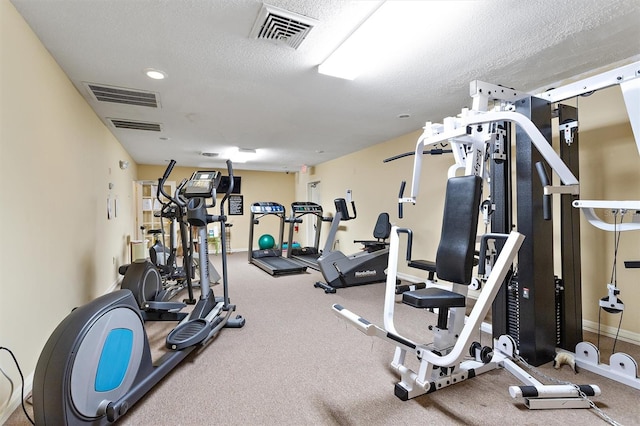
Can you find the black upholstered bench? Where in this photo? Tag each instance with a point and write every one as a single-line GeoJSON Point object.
{"type": "Point", "coordinates": [434, 297]}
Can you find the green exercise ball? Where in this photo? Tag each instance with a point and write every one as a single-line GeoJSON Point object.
{"type": "Point", "coordinates": [266, 241]}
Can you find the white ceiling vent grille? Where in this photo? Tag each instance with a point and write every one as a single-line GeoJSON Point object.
{"type": "Point", "coordinates": [121, 95]}
{"type": "Point", "coordinates": [282, 26]}
{"type": "Point", "coordinates": [135, 125]}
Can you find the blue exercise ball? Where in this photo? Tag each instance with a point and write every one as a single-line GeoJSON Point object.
{"type": "Point", "coordinates": [266, 241]}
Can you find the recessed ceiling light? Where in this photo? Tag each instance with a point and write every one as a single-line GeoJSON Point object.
{"type": "Point", "coordinates": [404, 116]}
{"type": "Point", "coordinates": [155, 74]}
{"type": "Point", "coordinates": [210, 154]}
{"type": "Point", "coordinates": [164, 138]}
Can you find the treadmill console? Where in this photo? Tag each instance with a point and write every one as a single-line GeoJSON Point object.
{"type": "Point", "coordinates": [306, 207]}
{"type": "Point", "coordinates": [202, 184]}
{"type": "Point", "coordinates": [267, 207]}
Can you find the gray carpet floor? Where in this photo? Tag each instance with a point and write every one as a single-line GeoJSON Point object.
{"type": "Point", "coordinates": [295, 363]}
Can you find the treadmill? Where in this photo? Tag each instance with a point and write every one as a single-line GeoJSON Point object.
{"type": "Point", "coordinates": [271, 260]}
{"type": "Point", "coordinates": [306, 255]}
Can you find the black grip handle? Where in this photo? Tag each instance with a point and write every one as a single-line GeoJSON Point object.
{"type": "Point", "coordinates": [353, 208]}
{"type": "Point", "coordinates": [409, 233]}
{"type": "Point", "coordinates": [229, 189]}
{"type": "Point", "coordinates": [178, 198]}
{"type": "Point", "coordinates": [230, 173]}
{"type": "Point", "coordinates": [167, 172]}
{"type": "Point", "coordinates": [400, 195]}
{"type": "Point", "coordinates": [546, 199]}
{"type": "Point", "coordinates": [483, 249]}
{"type": "Point", "coordinates": [163, 179]}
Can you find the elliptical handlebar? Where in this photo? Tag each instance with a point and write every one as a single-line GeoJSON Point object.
{"type": "Point", "coordinates": [181, 201]}
{"type": "Point", "coordinates": [168, 171]}
{"type": "Point", "coordinates": [230, 188]}
{"type": "Point", "coordinates": [161, 182]}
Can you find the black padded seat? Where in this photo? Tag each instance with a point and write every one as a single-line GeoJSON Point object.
{"type": "Point", "coordinates": [433, 297]}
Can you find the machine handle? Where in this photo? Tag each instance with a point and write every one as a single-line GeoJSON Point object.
{"type": "Point", "coordinates": [434, 151]}
{"type": "Point", "coordinates": [409, 233]}
{"type": "Point", "coordinates": [162, 180]}
{"type": "Point", "coordinates": [167, 172]}
{"type": "Point", "coordinates": [229, 189]}
{"type": "Point", "coordinates": [483, 249]}
{"type": "Point", "coordinates": [180, 201]}
{"type": "Point", "coordinates": [230, 174]}
{"type": "Point", "coordinates": [353, 208]}
{"type": "Point", "coordinates": [400, 196]}
{"type": "Point", "coordinates": [546, 199]}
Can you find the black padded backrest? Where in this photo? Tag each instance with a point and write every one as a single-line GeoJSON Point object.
{"type": "Point", "coordinates": [454, 259]}
{"type": "Point", "coordinates": [382, 230]}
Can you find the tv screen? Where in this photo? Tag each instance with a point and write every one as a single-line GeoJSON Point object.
{"type": "Point", "coordinates": [224, 185]}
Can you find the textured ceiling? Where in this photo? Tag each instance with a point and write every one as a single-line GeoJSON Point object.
{"type": "Point", "coordinates": [225, 89]}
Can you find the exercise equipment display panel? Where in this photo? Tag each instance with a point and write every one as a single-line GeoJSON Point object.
{"type": "Point", "coordinates": [202, 184]}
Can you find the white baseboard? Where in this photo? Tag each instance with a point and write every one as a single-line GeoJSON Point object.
{"type": "Point", "coordinates": [410, 278]}
{"type": "Point", "coordinates": [113, 287]}
{"type": "Point", "coordinates": [238, 250]}
{"type": "Point", "coordinates": [624, 335]}
{"type": "Point", "coordinates": [16, 398]}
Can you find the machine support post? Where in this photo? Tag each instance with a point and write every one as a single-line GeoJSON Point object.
{"type": "Point", "coordinates": [571, 295]}
{"type": "Point", "coordinates": [536, 283]}
{"type": "Point", "coordinates": [501, 223]}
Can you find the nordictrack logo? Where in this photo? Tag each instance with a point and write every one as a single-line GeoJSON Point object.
{"type": "Point", "coordinates": [364, 274]}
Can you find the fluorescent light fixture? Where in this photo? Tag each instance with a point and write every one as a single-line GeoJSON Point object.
{"type": "Point", "coordinates": [361, 48]}
{"type": "Point", "coordinates": [242, 155]}
{"type": "Point", "coordinates": [155, 74]}
{"type": "Point", "coordinates": [390, 32]}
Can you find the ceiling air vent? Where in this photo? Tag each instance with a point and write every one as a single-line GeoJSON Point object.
{"type": "Point", "coordinates": [135, 125]}
{"type": "Point", "coordinates": [120, 95]}
{"type": "Point", "coordinates": [281, 26]}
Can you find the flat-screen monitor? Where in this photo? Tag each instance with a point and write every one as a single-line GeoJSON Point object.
{"type": "Point", "coordinates": [224, 185]}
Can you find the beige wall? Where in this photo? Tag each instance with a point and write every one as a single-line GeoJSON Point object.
{"type": "Point", "coordinates": [609, 170]}
{"type": "Point", "coordinates": [375, 187]}
{"type": "Point", "coordinates": [256, 186]}
{"type": "Point", "coordinates": [57, 159]}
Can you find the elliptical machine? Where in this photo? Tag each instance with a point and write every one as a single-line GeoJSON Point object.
{"type": "Point", "coordinates": [97, 363]}
{"type": "Point", "coordinates": [366, 267]}
{"type": "Point", "coordinates": [154, 283]}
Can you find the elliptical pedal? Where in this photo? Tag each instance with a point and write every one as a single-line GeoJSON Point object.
{"type": "Point", "coordinates": [188, 334]}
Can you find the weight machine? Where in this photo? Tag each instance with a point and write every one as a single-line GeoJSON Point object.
{"type": "Point", "coordinates": [481, 142]}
